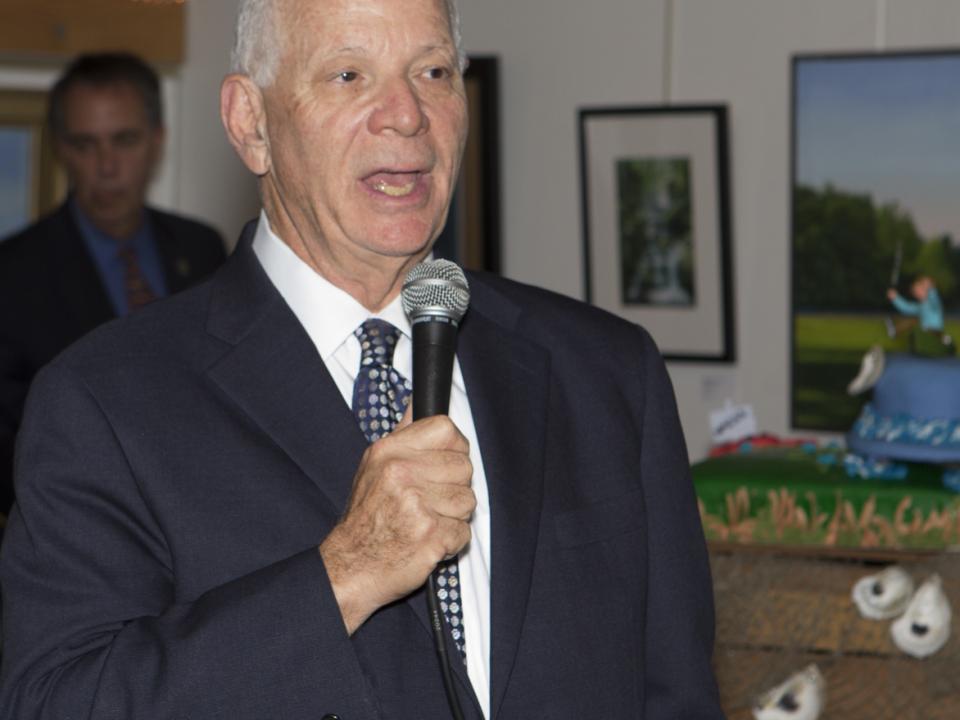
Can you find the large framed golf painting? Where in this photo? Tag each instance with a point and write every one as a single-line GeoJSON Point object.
{"type": "Point", "coordinates": [656, 223]}
{"type": "Point", "coordinates": [875, 207]}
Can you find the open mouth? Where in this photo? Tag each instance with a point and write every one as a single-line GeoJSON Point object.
{"type": "Point", "coordinates": [394, 184]}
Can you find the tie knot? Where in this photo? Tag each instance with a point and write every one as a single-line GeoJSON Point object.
{"type": "Point", "coordinates": [125, 251]}
{"type": "Point", "coordinates": [378, 340]}
{"type": "Point", "coordinates": [380, 393]}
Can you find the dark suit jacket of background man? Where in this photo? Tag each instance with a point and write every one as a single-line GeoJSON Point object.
{"type": "Point", "coordinates": [51, 294]}
{"type": "Point", "coordinates": [179, 468]}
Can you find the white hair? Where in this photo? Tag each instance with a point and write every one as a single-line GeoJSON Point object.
{"type": "Point", "coordinates": [256, 47]}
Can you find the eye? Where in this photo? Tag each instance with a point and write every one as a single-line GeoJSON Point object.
{"type": "Point", "coordinates": [438, 73]}
{"type": "Point", "coordinates": [347, 76]}
{"type": "Point", "coordinates": [127, 139]}
{"type": "Point", "coordinates": [79, 144]}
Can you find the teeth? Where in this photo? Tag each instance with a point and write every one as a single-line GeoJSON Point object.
{"type": "Point", "coordinates": [395, 190]}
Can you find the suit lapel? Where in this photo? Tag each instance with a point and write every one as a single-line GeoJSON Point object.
{"type": "Point", "coordinates": [85, 301]}
{"type": "Point", "coordinates": [274, 374]}
{"type": "Point", "coordinates": [507, 378]}
{"type": "Point", "coordinates": [178, 271]}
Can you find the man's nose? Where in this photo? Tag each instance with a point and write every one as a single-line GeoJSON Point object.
{"type": "Point", "coordinates": [106, 160]}
{"type": "Point", "coordinates": [399, 109]}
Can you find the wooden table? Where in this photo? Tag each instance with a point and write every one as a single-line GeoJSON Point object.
{"type": "Point", "coordinates": [780, 609]}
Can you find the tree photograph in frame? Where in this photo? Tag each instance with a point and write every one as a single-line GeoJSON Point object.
{"type": "Point", "coordinates": [655, 206]}
{"type": "Point", "coordinates": [875, 182]}
{"type": "Point", "coordinates": [656, 251]}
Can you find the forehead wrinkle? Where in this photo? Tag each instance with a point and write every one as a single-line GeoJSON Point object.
{"type": "Point", "coordinates": [352, 50]}
{"type": "Point", "coordinates": [353, 33]}
{"type": "Point", "coordinates": [446, 48]}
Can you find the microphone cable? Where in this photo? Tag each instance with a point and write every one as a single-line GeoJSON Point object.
{"type": "Point", "coordinates": [440, 645]}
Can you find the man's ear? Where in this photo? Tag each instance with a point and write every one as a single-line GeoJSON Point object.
{"type": "Point", "coordinates": [244, 118]}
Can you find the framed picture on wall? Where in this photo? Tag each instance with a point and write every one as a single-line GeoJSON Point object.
{"type": "Point", "coordinates": [875, 182]}
{"type": "Point", "coordinates": [471, 237]}
{"type": "Point", "coordinates": [30, 183]}
{"type": "Point", "coordinates": [656, 223]}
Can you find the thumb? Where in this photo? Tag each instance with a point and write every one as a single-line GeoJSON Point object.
{"type": "Point", "coordinates": [407, 416]}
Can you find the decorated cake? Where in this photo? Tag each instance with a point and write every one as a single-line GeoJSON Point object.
{"type": "Point", "coordinates": [896, 485]}
{"type": "Point", "coordinates": [914, 413]}
{"type": "Point", "coordinates": [807, 494]}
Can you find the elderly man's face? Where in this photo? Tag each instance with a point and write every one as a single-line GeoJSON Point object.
{"type": "Point", "coordinates": [366, 124]}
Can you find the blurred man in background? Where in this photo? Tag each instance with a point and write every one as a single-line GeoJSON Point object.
{"type": "Point", "coordinates": [102, 253]}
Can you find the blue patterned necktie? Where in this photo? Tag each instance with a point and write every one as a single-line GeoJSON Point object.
{"type": "Point", "coordinates": [380, 397]}
{"type": "Point", "coordinates": [380, 393]}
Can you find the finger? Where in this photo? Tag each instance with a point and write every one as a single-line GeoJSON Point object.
{"type": "Point", "coordinates": [428, 468]}
{"type": "Point", "coordinates": [452, 501]}
{"type": "Point", "coordinates": [407, 417]}
{"type": "Point", "coordinates": [453, 537]}
{"type": "Point", "coordinates": [445, 467]}
{"type": "Point", "coordinates": [397, 467]}
{"type": "Point", "coordinates": [433, 433]}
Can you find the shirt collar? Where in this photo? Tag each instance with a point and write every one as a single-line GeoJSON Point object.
{"type": "Point", "coordinates": [329, 315]}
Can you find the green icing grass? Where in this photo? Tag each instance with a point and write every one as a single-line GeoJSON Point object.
{"type": "Point", "coordinates": [781, 495]}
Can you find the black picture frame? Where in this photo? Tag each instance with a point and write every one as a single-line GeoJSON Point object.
{"type": "Point", "coordinates": [655, 201]}
{"type": "Point", "coordinates": [471, 237]}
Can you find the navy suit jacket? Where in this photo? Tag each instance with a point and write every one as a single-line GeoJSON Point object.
{"type": "Point", "coordinates": [51, 294]}
{"type": "Point", "coordinates": [178, 469]}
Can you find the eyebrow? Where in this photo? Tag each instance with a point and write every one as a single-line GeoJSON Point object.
{"type": "Point", "coordinates": [73, 137]}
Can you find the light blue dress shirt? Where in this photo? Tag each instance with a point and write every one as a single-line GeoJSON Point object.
{"type": "Point", "coordinates": [930, 311]}
{"type": "Point", "coordinates": [103, 250]}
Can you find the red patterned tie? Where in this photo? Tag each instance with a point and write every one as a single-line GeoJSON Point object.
{"type": "Point", "coordinates": [137, 290]}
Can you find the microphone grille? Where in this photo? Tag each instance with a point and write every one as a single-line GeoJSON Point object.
{"type": "Point", "coordinates": [436, 287]}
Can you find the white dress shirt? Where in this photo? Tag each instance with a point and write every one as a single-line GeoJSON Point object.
{"type": "Point", "coordinates": [330, 316]}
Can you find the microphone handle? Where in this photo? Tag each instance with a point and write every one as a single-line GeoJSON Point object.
{"type": "Point", "coordinates": [434, 346]}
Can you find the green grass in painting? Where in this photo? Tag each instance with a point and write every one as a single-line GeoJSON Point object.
{"type": "Point", "coordinates": [827, 353]}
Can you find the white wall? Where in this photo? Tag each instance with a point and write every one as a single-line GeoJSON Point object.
{"type": "Point", "coordinates": [559, 55]}
{"type": "Point", "coordinates": [213, 184]}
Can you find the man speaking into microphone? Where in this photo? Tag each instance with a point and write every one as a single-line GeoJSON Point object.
{"type": "Point", "coordinates": [242, 520]}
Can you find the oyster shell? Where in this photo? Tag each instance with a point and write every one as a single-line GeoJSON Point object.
{"type": "Point", "coordinates": [799, 697]}
{"type": "Point", "coordinates": [924, 627]}
{"type": "Point", "coordinates": [883, 595]}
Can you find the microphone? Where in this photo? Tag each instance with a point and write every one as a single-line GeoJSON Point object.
{"type": "Point", "coordinates": [435, 296]}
